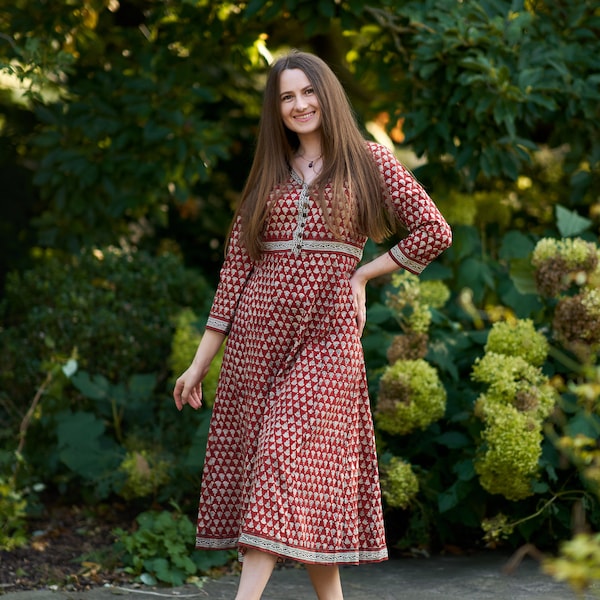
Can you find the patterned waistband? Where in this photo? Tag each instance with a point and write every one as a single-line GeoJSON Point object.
{"type": "Point", "coordinates": [313, 246]}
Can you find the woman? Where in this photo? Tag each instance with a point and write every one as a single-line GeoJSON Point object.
{"type": "Point", "coordinates": [291, 469]}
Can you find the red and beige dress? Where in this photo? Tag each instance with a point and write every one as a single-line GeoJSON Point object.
{"type": "Point", "coordinates": [290, 464]}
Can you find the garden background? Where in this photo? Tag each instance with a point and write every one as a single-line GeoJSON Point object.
{"type": "Point", "coordinates": [126, 130]}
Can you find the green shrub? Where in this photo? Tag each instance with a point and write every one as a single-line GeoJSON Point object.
{"type": "Point", "coordinates": [115, 306]}
{"type": "Point", "coordinates": [161, 548]}
{"type": "Point", "coordinates": [113, 312]}
{"type": "Point", "coordinates": [515, 349]}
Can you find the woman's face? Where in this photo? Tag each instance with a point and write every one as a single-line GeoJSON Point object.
{"type": "Point", "coordinates": [299, 104]}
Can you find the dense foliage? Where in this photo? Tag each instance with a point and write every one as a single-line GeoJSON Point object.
{"type": "Point", "coordinates": [126, 130]}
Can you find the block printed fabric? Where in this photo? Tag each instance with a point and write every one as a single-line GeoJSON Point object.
{"type": "Point", "coordinates": [291, 466]}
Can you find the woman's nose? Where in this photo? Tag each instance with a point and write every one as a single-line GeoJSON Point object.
{"type": "Point", "coordinates": [300, 103]}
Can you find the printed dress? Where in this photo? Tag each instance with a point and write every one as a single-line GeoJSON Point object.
{"type": "Point", "coordinates": [290, 465]}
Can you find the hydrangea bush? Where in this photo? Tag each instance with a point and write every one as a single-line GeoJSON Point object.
{"type": "Point", "coordinates": [512, 361]}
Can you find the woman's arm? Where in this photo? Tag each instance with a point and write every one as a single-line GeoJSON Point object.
{"type": "Point", "coordinates": [429, 233]}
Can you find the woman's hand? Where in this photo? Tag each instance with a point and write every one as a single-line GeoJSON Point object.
{"type": "Point", "coordinates": [359, 298]}
{"type": "Point", "coordinates": [188, 387]}
{"type": "Point", "coordinates": [378, 266]}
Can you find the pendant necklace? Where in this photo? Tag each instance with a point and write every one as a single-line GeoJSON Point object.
{"type": "Point", "coordinates": [310, 162]}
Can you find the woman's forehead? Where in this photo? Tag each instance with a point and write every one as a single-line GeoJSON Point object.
{"type": "Point", "coordinates": [293, 79]}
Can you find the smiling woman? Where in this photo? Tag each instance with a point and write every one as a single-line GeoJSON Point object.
{"type": "Point", "coordinates": [291, 467]}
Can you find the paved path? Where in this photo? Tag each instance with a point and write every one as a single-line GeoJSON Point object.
{"type": "Point", "coordinates": [450, 578]}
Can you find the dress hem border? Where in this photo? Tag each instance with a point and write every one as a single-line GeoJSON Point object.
{"type": "Point", "coordinates": [349, 557]}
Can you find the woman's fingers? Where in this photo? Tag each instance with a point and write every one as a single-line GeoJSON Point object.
{"type": "Point", "coordinates": [195, 397]}
{"type": "Point", "coordinates": [192, 396]}
{"type": "Point", "coordinates": [178, 394]}
{"type": "Point", "coordinates": [361, 319]}
{"type": "Point", "coordinates": [360, 306]}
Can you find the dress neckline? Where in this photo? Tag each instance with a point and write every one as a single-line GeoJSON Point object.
{"type": "Point", "coordinates": [297, 177]}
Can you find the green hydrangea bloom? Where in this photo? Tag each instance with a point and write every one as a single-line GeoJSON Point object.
{"type": "Point", "coordinates": [406, 290]}
{"type": "Point", "coordinates": [434, 293]}
{"type": "Point", "coordinates": [514, 382]}
{"type": "Point", "coordinates": [412, 299]}
{"type": "Point", "coordinates": [576, 253]}
{"type": "Point", "coordinates": [186, 338]}
{"type": "Point", "coordinates": [508, 460]}
{"type": "Point", "coordinates": [578, 562]}
{"type": "Point", "coordinates": [399, 484]}
{"type": "Point", "coordinates": [518, 339]}
{"type": "Point", "coordinates": [13, 516]}
{"type": "Point", "coordinates": [411, 396]}
{"type": "Point", "coordinates": [420, 318]}
{"type": "Point", "coordinates": [590, 298]}
{"type": "Point", "coordinates": [496, 529]}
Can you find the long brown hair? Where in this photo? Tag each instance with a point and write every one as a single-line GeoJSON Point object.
{"type": "Point", "coordinates": [349, 167]}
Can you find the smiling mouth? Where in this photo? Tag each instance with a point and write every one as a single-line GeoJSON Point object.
{"type": "Point", "coordinates": [305, 116]}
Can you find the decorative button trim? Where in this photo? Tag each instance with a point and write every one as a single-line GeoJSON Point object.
{"type": "Point", "coordinates": [303, 210]}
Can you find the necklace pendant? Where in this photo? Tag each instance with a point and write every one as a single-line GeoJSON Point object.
{"type": "Point", "coordinates": [310, 164]}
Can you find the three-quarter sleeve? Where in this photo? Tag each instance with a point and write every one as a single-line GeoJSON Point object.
{"type": "Point", "coordinates": [234, 274]}
{"type": "Point", "coordinates": [429, 233]}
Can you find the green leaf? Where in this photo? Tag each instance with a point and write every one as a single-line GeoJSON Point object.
{"type": "Point", "coordinates": [453, 439]}
{"type": "Point", "coordinates": [447, 500]}
{"type": "Point", "coordinates": [584, 424]}
{"type": "Point", "coordinates": [208, 559]}
{"type": "Point", "coordinates": [570, 223]}
{"type": "Point", "coordinates": [465, 469]}
{"type": "Point", "coordinates": [453, 495]}
{"type": "Point", "coordinates": [83, 446]}
{"type": "Point", "coordinates": [516, 244]}
{"type": "Point", "coordinates": [327, 8]}
{"type": "Point", "coordinates": [524, 305]}
{"type": "Point", "coordinates": [95, 387]}
{"type": "Point", "coordinates": [141, 386]}
{"type": "Point", "coordinates": [440, 352]}
{"type": "Point", "coordinates": [148, 579]}
{"type": "Point", "coordinates": [467, 241]}
{"type": "Point", "coordinates": [475, 274]}
{"type": "Point", "coordinates": [434, 271]}
{"type": "Point", "coordinates": [197, 452]}
{"type": "Point", "coordinates": [378, 313]}
{"type": "Point", "coordinates": [540, 487]}
{"type": "Point", "coordinates": [522, 276]}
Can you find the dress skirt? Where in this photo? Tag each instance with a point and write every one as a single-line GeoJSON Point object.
{"type": "Point", "coordinates": [291, 466]}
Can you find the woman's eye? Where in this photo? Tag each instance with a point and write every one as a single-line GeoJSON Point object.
{"type": "Point", "coordinates": [309, 91]}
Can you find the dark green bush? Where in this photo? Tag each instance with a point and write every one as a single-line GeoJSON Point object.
{"type": "Point", "coordinates": [115, 307]}
{"type": "Point", "coordinates": [114, 312]}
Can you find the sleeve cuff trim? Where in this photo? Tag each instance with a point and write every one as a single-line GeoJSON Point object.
{"type": "Point", "coordinates": [403, 261]}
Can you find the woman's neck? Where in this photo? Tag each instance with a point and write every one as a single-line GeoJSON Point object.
{"type": "Point", "coordinates": [310, 146]}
